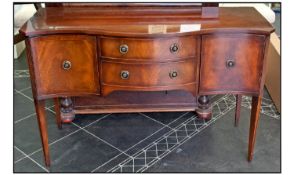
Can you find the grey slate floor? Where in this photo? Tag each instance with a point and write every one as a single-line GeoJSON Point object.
{"type": "Point", "coordinates": [144, 142]}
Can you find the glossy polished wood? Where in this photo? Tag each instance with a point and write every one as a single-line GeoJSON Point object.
{"type": "Point", "coordinates": [74, 55]}
{"type": "Point", "coordinates": [238, 109]}
{"type": "Point", "coordinates": [149, 76]}
{"type": "Point", "coordinates": [41, 116]}
{"type": "Point", "coordinates": [79, 20]}
{"type": "Point", "coordinates": [138, 101]}
{"type": "Point", "coordinates": [66, 110]}
{"type": "Point", "coordinates": [132, 5]}
{"type": "Point", "coordinates": [245, 51]}
{"type": "Point", "coordinates": [158, 49]}
{"type": "Point", "coordinates": [256, 104]}
{"type": "Point", "coordinates": [204, 108]}
{"type": "Point", "coordinates": [80, 78]}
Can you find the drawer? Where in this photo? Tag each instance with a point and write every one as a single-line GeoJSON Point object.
{"type": "Point", "coordinates": [157, 49]}
{"type": "Point", "coordinates": [65, 64]}
{"type": "Point", "coordinates": [231, 63]}
{"type": "Point", "coordinates": [148, 75]}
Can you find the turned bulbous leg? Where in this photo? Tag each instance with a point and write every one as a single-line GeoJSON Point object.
{"type": "Point", "coordinates": [204, 109]}
{"type": "Point", "coordinates": [66, 111]}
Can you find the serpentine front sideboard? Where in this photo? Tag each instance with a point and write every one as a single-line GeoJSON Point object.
{"type": "Point", "coordinates": [133, 57]}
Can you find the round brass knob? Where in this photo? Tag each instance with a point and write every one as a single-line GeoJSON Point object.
{"type": "Point", "coordinates": [123, 49]}
{"type": "Point", "coordinates": [174, 48]}
{"type": "Point", "coordinates": [230, 63]}
{"type": "Point", "coordinates": [66, 65]}
{"type": "Point", "coordinates": [173, 74]}
{"type": "Point", "coordinates": [124, 74]}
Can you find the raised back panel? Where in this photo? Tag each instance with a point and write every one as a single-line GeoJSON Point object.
{"type": "Point", "coordinates": [200, 10]}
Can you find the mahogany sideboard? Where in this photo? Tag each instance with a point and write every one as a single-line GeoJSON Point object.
{"type": "Point", "coordinates": [116, 58]}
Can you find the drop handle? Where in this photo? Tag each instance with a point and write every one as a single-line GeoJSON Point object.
{"type": "Point", "coordinates": [173, 74]}
{"type": "Point", "coordinates": [124, 74]}
{"type": "Point", "coordinates": [230, 63]}
{"type": "Point", "coordinates": [123, 49]}
{"type": "Point", "coordinates": [66, 65]}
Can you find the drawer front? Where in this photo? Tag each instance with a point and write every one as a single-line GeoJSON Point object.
{"type": "Point", "coordinates": [65, 64]}
{"type": "Point", "coordinates": [148, 75]}
{"type": "Point", "coordinates": [158, 49]}
{"type": "Point", "coordinates": [231, 63]}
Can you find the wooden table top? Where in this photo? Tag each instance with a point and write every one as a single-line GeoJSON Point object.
{"type": "Point", "coordinates": [92, 20]}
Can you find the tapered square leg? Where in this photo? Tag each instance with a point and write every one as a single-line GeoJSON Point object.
{"type": "Point", "coordinates": [238, 109]}
{"type": "Point", "coordinates": [255, 110]}
{"type": "Point", "coordinates": [41, 116]}
{"type": "Point", "coordinates": [57, 113]}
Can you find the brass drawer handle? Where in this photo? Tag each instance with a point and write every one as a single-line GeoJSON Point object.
{"type": "Point", "coordinates": [174, 48]}
{"type": "Point", "coordinates": [173, 74]}
{"type": "Point", "coordinates": [123, 49]}
{"type": "Point", "coordinates": [230, 63]}
{"type": "Point", "coordinates": [66, 65]}
{"type": "Point", "coordinates": [124, 74]}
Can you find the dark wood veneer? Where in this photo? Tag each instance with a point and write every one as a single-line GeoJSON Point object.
{"type": "Point", "coordinates": [73, 53]}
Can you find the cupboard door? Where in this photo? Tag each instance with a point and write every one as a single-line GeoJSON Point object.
{"type": "Point", "coordinates": [65, 65]}
{"type": "Point", "coordinates": [231, 63]}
